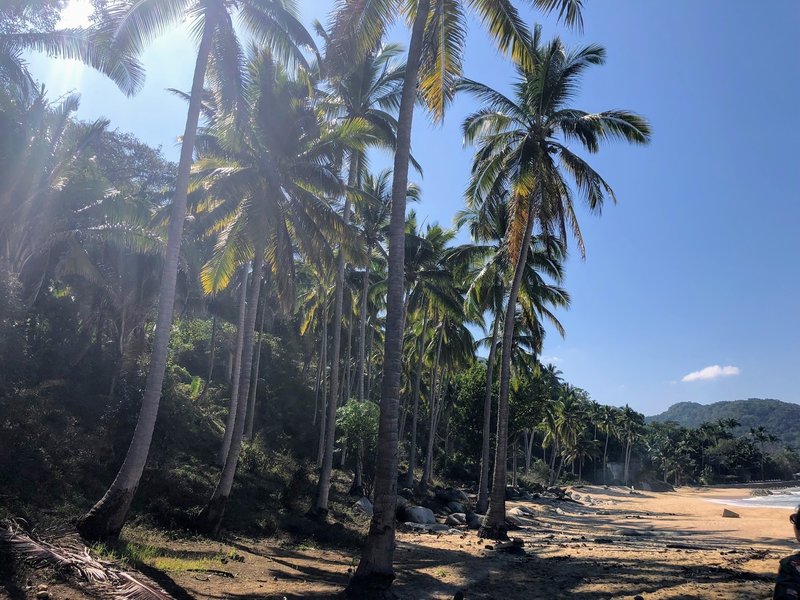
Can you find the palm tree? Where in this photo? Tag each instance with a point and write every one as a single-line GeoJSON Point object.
{"type": "Point", "coordinates": [134, 24]}
{"type": "Point", "coordinates": [364, 93]}
{"type": "Point", "coordinates": [607, 423]}
{"type": "Point", "coordinates": [271, 171]}
{"type": "Point", "coordinates": [522, 147]}
{"type": "Point", "coordinates": [433, 63]}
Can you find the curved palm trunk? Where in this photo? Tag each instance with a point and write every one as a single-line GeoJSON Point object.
{"type": "Point", "coordinates": [236, 373]}
{"type": "Point", "coordinates": [495, 523]}
{"type": "Point", "coordinates": [483, 488]}
{"type": "Point", "coordinates": [412, 452]}
{"type": "Point", "coordinates": [326, 469]}
{"type": "Point", "coordinates": [210, 518]}
{"type": "Point", "coordinates": [375, 573]}
{"type": "Point", "coordinates": [107, 517]}
{"type": "Point", "coordinates": [251, 401]}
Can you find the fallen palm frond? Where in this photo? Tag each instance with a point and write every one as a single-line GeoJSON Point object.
{"type": "Point", "coordinates": [97, 577]}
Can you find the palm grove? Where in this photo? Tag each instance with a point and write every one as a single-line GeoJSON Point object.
{"type": "Point", "coordinates": [266, 322]}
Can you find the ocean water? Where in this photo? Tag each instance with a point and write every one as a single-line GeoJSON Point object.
{"type": "Point", "coordinates": [783, 498]}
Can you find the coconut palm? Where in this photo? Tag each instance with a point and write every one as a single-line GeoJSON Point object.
{"type": "Point", "coordinates": [270, 172]}
{"type": "Point", "coordinates": [433, 64]}
{"type": "Point", "coordinates": [522, 146]}
{"type": "Point", "coordinates": [132, 25]}
{"type": "Point", "coordinates": [368, 92]}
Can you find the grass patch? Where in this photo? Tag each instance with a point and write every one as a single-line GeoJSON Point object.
{"type": "Point", "coordinates": [136, 554]}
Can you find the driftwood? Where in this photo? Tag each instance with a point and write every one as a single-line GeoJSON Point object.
{"type": "Point", "coordinates": [99, 578]}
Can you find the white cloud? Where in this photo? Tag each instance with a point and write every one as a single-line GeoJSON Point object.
{"type": "Point", "coordinates": [712, 372]}
{"type": "Point", "coordinates": [550, 360]}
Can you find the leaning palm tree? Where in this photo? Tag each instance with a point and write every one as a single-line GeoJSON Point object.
{"type": "Point", "coordinates": [433, 64]}
{"type": "Point", "coordinates": [523, 146]}
{"type": "Point", "coordinates": [132, 24]}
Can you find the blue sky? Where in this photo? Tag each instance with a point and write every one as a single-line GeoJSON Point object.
{"type": "Point", "coordinates": [696, 270]}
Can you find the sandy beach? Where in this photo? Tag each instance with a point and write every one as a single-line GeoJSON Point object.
{"type": "Point", "coordinates": [609, 544]}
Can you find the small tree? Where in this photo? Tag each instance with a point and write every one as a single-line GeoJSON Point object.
{"type": "Point", "coordinates": [358, 424]}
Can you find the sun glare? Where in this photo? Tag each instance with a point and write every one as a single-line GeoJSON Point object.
{"type": "Point", "coordinates": [75, 14]}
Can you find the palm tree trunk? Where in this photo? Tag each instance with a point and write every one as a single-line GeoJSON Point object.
{"type": "Point", "coordinates": [324, 483]}
{"type": "Point", "coordinates": [323, 412]}
{"type": "Point", "coordinates": [210, 518]}
{"type": "Point", "coordinates": [236, 373]}
{"type": "Point", "coordinates": [605, 460]}
{"type": "Point", "coordinates": [495, 523]}
{"type": "Point", "coordinates": [412, 452]}
{"type": "Point", "coordinates": [375, 573]}
{"type": "Point", "coordinates": [210, 358]}
{"type": "Point", "coordinates": [483, 488]}
{"type": "Point", "coordinates": [433, 407]}
{"type": "Point", "coordinates": [107, 517]}
{"type": "Point", "coordinates": [251, 400]}
{"type": "Point", "coordinates": [362, 329]}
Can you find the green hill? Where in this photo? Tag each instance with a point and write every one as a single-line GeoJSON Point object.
{"type": "Point", "coordinates": [780, 418]}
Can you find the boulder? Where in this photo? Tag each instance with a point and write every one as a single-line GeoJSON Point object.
{"type": "Point", "coordinates": [474, 521]}
{"type": "Point", "coordinates": [729, 514]}
{"type": "Point", "coordinates": [512, 493]}
{"type": "Point", "coordinates": [521, 511]}
{"type": "Point", "coordinates": [419, 514]}
{"type": "Point", "coordinates": [364, 506]}
{"type": "Point", "coordinates": [451, 495]}
{"type": "Point", "coordinates": [458, 518]}
{"type": "Point", "coordinates": [456, 507]}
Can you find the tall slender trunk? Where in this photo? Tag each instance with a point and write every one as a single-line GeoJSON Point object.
{"type": "Point", "coordinates": [236, 373]}
{"type": "Point", "coordinates": [412, 452]}
{"type": "Point", "coordinates": [362, 328]}
{"type": "Point", "coordinates": [346, 387]}
{"type": "Point", "coordinates": [251, 400]}
{"type": "Point", "coordinates": [483, 488]}
{"type": "Point", "coordinates": [375, 573]}
{"type": "Point", "coordinates": [210, 359]}
{"type": "Point", "coordinates": [605, 460]}
{"type": "Point", "coordinates": [210, 518]}
{"type": "Point", "coordinates": [324, 483]}
{"type": "Point", "coordinates": [433, 422]}
{"type": "Point", "coordinates": [495, 523]}
{"type": "Point", "coordinates": [318, 381]}
{"type": "Point", "coordinates": [514, 445]}
{"type": "Point", "coordinates": [107, 517]}
{"type": "Point", "coordinates": [529, 438]}
{"type": "Point", "coordinates": [323, 412]}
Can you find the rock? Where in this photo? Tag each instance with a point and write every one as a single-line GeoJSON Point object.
{"type": "Point", "coordinates": [474, 521]}
{"type": "Point", "coordinates": [419, 514]}
{"type": "Point", "coordinates": [638, 598]}
{"type": "Point", "coordinates": [632, 532]}
{"type": "Point", "coordinates": [42, 595]}
{"type": "Point", "coordinates": [364, 506]}
{"type": "Point", "coordinates": [456, 507]}
{"type": "Point", "coordinates": [520, 511]}
{"type": "Point", "coordinates": [512, 493]}
{"type": "Point", "coordinates": [458, 518]}
{"type": "Point", "coordinates": [729, 514]}
{"type": "Point", "coordinates": [575, 496]}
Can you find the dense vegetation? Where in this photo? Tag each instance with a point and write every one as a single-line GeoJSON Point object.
{"type": "Point", "coordinates": [778, 417]}
{"type": "Point", "coordinates": [204, 342]}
